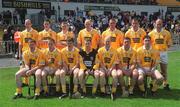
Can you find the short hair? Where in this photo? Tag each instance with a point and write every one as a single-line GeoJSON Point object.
{"type": "Point", "coordinates": [127, 38]}
{"type": "Point", "coordinates": [113, 19]}
{"type": "Point", "coordinates": [147, 37]}
{"type": "Point", "coordinates": [65, 22]}
{"type": "Point", "coordinates": [31, 41]}
{"type": "Point", "coordinates": [70, 39]}
{"type": "Point", "coordinates": [47, 21]}
{"type": "Point", "coordinates": [51, 40]}
{"type": "Point", "coordinates": [28, 20]}
{"type": "Point", "coordinates": [135, 19]}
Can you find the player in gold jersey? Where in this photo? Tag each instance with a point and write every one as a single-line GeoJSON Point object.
{"type": "Point", "coordinates": [148, 60]}
{"type": "Point", "coordinates": [136, 34]}
{"type": "Point", "coordinates": [72, 65]}
{"type": "Point", "coordinates": [34, 62]}
{"type": "Point", "coordinates": [116, 35]}
{"type": "Point", "coordinates": [161, 41]}
{"type": "Point", "coordinates": [62, 36]}
{"type": "Point", "coordinates": [45, 35]}
{"type": "Point", "coordinates": [25, 36]}
{"type": "Point", "coordinates": [88, 32]}
{"type": "Point", "coordinates": [106, 66]}
{"type": "Point", "coordinates": [53, 64]}
{"type": "Point", "coordinates": [127, 66]}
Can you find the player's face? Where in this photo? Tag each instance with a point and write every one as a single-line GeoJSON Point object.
{"type": "Point", "coordinates": [159, 24]}
{"type": "Point", "coordinates": [28, 24]}
{"type": "Point", "coordinates": [88, 24]}
{"type": "Point", "coordinates": [87, 43]}
{"type": "Point", "coordinates": [69, 43]}
{"type": "Point", "coordinates": [112, 24]}
{"type": "Point", "coordinates": [147, 42]}
{"type": "Point", "coordinates": [46, 25]}
{"type": "Point", "coordinates": [135, 24]}
{"type": "Point", "coordinates": [126, 43]}
{"type": "Point", "coordinates": [32, 45]}
{"type": "Point", "coordinates": [50, 44]}
{"type": "Point", "coordinates": [64, 27]}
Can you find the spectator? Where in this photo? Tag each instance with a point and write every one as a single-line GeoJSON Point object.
{"type": "Point", "coordinates": [6, 40]}
{"type": "Point", "coordinates": [15, 17]}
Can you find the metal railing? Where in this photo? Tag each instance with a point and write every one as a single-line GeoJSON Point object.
{"type": "Point", "coordinates": [8, 47]}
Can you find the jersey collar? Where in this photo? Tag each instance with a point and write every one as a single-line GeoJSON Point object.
{"type": "Point", "coordinates": [146, 49]}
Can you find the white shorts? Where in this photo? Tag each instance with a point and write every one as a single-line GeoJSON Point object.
{"type": "Point", "coordinates": [164, 57]}
{"type": "Point", "coordinates": [49, 70]}
{"type": "Point", "coordinates": [141, 71]}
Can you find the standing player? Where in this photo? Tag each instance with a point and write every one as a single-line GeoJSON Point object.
{"type": "Point", "coordinates": [46, 34]}
{"type": "Point", "coordinates": [148, 60]}
{"type": "Point", "coordinates": [127, 58]}
{"type": "Point", "coordinates": [161, 41]}
{"type": "Point", "coordinates": [25, 36]}
{"type": "Point", "coordinates": [88, 55]}
{"type": "Point", "coordinates": [62, 36]}
{"type": "Point", "coordinates": [53, 64]}
{"type": "Point", "coordinates": [88, 33]}
{"type": "Point", "coordinates": [136, 34]}
{"type": "Point", "coordinates": [32, 59]}
{"type": "Point", "coordinates": [116, 35]}
{"type": "Point", "coordinates": [106, 66]}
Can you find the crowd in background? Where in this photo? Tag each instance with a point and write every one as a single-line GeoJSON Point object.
{"type": "Point", "coordinates": [100, 22]}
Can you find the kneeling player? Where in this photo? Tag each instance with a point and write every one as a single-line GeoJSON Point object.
{"type": "Point", "coordinates": [33, 63]}
{"type": "Point", "coordinates": [148, 59]}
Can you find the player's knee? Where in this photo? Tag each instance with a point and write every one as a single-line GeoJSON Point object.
{"type": "Point", "coordinates": [43, 74]}
{"type": "Point", "coordinates": [160, 80]}
{"type": "Point", "coordinates": [135, 74]}
{"type": "Point", "coordinates": [38, 73]}
{"type": "Point", "coordinates": [102, 75]}
{"type": "Point", "coordinates": [140, 79]}
{"type": "Point", "coordinates": [81, 73]}
{"type": "Point", "coordinates": [96, 75]}
{"type": "Point", "coordinates": [17, 75]}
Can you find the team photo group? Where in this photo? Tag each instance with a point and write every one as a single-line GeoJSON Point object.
{"type": "Point", "coordinates": [115, 60]}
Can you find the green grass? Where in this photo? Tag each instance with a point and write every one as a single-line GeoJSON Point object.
{"type": "Point", "coordinates": [164, 98]}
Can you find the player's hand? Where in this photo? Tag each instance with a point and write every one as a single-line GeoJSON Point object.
{"type": "Point", "coordinates": [91, 72]}
{"type": "Point", "coordinates": [70, 72]}
{"type": "Point", "coordinates": [28, 73]}
{"type": "Point", "coordinates": [108, 72]}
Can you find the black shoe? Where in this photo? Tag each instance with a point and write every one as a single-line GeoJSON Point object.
{"type": "Point", "coordinates": [103, 94]}
{"type": "Point", "coordinates": [151, 85]}
{"type": "Point", "coordinates": [113, 96]}
{"type": "Point", "coordinates": [24, 85]}
{"type": "Point", "coordinates": [94, 95]}
{"type": "Point", "coordinates": [63, 95]}
{"type": "Point", "coordinates": [153, 93]}
{"type": "Point", "coordinates": [166, 87]}
{"type": "Point", "coordinates": [46, 94]}
{"type": "Point", "coordinates": [83, 95]}
{"type": "Point", "coordinates": [36, 97]}
{"type": "Point", "coordinates": [17, 96]}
